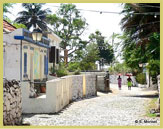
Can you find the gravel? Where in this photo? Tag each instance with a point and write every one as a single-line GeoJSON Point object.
{"type": "Point", "coordinates": [120, 108]}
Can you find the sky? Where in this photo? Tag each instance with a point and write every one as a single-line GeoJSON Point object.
{"type": "Point", "coordinates": [107, 23]}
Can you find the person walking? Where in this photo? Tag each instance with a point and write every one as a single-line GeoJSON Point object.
{"type": "Point", "coordinates": [129, 82]}
{"type": "Point", "coordinates": [119, 82]}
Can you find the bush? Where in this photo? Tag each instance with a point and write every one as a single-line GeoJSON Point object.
{"type": "Point", "coordinates": [62, 71]}
{"type": "Point", "coordinates": [154, 69]}
{"type": "Point", "coordinates": [52, 70]}
{"type": "Point", "coordinates": [73, 66]}
{"type": "Point", "coordinates": [141, 78]}
{"type": "Point", "coordinates": [77, 72]}
{"type": "Point", "coordinates": [87, 66]}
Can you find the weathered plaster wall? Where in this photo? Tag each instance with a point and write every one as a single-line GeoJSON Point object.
{"type": "Point", "coordinates": [11, 58]}
{"type": "Point", "coordinates": [59, 93]}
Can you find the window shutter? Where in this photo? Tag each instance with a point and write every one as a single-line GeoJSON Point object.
{"type": "Point", "coordinates": [25, 63]}
{"type": "Point", "coordinates": [57, 56]}
{"type": "Point", "coordinates": [52, 54]}
{"type": "Point", "coordinates": [45, 65]}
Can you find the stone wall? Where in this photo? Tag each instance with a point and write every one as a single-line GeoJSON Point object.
{"type": "Point", "coordinates": [100, 83]}
{"type": "Point", "coordinates": [77, 87]}
{"type": "Point", "coordinates": [12, 103]}
{"type": "Point", "coordinates": [83, 86]}
{"type": "Point", "coordinates": [90, 85]}
{"type": "Point", "coordinates": [59, 93]}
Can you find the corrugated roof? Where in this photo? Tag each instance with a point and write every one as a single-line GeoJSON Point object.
{"type": "Point", "coordinates": [8, 26]}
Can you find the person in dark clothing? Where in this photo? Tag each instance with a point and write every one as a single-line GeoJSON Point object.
{"type": "Point", "coordinates": [119, 82]}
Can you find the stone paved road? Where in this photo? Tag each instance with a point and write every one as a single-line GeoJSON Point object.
{"type": "Point", "coordinates": [120, 108]}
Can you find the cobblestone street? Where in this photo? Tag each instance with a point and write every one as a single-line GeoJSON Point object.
{"type": "Point", "coordinates": [120, 108]}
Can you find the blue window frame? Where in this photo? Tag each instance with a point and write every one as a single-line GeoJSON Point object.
{"type": "Point", "coordinates": [45, 65]}
{"type": "Point", "coordinates": [25, 63]}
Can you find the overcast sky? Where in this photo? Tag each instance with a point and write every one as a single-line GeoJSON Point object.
{"type": "Point", "coordinates": [107, 23]}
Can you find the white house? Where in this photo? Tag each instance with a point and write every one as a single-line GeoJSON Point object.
{"type": "Point", "coordinates": [25, 59]}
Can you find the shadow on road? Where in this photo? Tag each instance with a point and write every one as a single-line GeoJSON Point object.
{"type": "Point", "coordinates": [144, 96]}
{"type": "Point", "coordinates": [57, 113]}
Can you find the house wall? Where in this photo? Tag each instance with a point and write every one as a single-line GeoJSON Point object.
{"type": "Point", "coordinates": [35, 58]}
{"type": "Point", "coordinates": [11, 57]}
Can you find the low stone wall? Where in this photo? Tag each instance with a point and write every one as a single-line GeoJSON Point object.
{"type": "Point", "coordinates": [94, 73]}
{"type": "Point", "coordinates": [83, 86]}
{"type": "Point", "coordinates": [77, 87]}
{"type": "Point", "coordinates": [100, 83]}
{"type": "Point", "coordinates": [90, 81]}
{"type": "Point", "coordinates": [12, 103]}
{"type": "Point", "coordinates": [59, 93]}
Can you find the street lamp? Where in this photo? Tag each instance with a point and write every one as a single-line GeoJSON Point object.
{"type": "Point", "coordinates": [37, 34]}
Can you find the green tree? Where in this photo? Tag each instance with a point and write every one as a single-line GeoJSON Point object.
{"type": "Point", "coordinates": [141, 20]}
{"type": "Point", "coordinates": [33, 15]}
{"type": "Point", "coordinates": [69, 25]}
{"type": "Point", "coordinates": [141, 37]}
{"type": "Point", "coordinates": [87, 59]}
{"type": "Point", "coordinates": [17, 25]}
{"type": "Point", "coordinates": [6, 7]}
{"type": "Point", "coordinates": [105, 49]}
{"type": "Point", "coordinates": [120, 68]}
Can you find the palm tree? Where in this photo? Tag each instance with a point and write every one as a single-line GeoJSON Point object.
{"type": "Point", "coordinates": [33, 15]}
{"type": "Point", "coordinates": [141, 20]}
{"type": "Point", "coordinates": [6, 7]}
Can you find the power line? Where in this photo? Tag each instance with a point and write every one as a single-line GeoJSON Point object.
{"type": "Point", "coordinates": [98, 11]}
{"type": "Point", "coordinates": [110, 12]}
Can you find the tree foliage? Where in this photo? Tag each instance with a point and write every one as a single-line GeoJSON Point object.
{"type": "Point", "coordinates": [69, 25]}
{"type": "Point", "coordinates": [139, 21]}
{"type": "Point", "coordinates": [120, 68]}
{"type": "Point", "coordinates": [17, 25]}
{"type": "Point", "coordinates": [105, 49]}
{"type": "Point", "coordinates": [141, 37]}
{"type": "Point", "coordinates": [6, 7]}
{"type": "Point", "coordinates": [87, 59]}
{"type": "Point", "coordinates": [33, 15]}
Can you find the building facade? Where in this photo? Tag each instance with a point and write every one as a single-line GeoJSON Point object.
{"type": "Point", "coordinates": [25, 59]}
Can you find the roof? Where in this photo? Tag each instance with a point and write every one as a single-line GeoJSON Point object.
{"type": "Point", "coordinates": [8, 27]}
